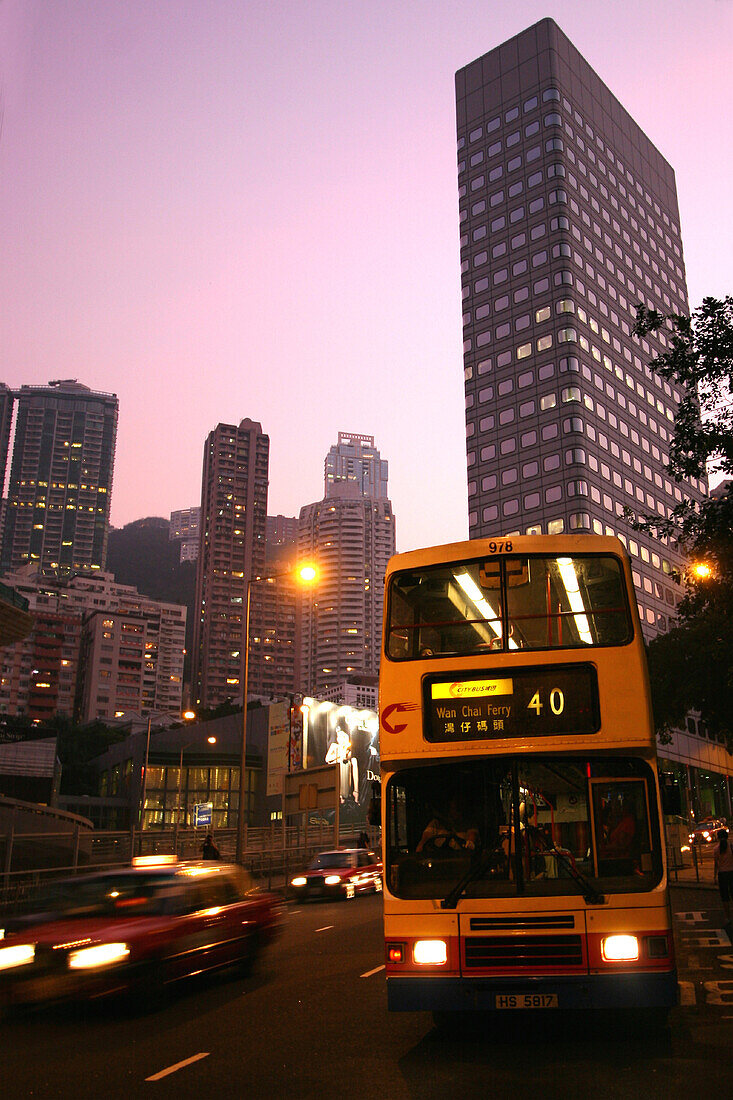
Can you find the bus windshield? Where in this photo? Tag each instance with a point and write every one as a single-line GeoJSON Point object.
{"type": "Point", "coordinates": [514, 602]}
{"type": "Point", "coordinates": [581, 820]}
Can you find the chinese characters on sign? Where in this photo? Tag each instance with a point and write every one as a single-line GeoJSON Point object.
{"type": "Point", "coordinates": [531, 702]}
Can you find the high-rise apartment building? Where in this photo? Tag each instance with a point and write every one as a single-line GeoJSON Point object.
{"type": "Point", "coordinates": [568, 220]}
{"type": "Point", "coordinates": [58, 504]}
{"type": "Point", "coordinates": [355, 459]}
{"type": "Point", "coordinates": [96, 649]}
{"type": "Point", "coordinates": [351, 536]}
{"type": "Point", "coordinates": [232, 549]}
{"type": "Point", "coordinates": [184, 529]}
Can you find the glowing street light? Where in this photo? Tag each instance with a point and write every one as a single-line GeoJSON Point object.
{"type": "Point", "coordinates": [701, 571]}
{"type": "Point", "coordinates": [306, 573]}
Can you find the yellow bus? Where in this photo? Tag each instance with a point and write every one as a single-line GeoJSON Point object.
{"type": "Point", "coordinates": [524, 857]}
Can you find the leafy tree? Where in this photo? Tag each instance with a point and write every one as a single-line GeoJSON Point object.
{"type": "Point", "coordinates": [691, 667]}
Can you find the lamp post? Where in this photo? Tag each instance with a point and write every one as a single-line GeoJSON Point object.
{"type": "Point", "coordinates": [306, 574]}
{"type": "Point", "coordinates": [211, 741]}
{"type": "Point", "coordinates": [141, 814]}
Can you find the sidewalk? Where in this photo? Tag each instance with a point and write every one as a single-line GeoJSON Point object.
{"type": "Point", "coordinates": [697, 872]}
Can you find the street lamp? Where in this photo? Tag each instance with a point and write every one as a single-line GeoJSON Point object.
{"type": "Point", "coordinates": [305, 574]}
{"type": "Point", "coordinates": [141, 815]}
{"type": "Point", "coordinates": [211, 741]}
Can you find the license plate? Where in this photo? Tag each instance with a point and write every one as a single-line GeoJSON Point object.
{"type": "Point", "coordinates": [526, 1000]}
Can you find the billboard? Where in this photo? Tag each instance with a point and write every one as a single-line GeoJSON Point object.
{"type": "Point", "coordinates": [334, 733]}
{"type": "Point", "coordinates": [278, 747]}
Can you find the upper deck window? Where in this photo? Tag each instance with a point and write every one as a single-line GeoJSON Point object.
{"type": "Point", "coordinates": [534, 602]}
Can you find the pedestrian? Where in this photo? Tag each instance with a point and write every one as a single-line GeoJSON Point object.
{"type": "Point", "coordinates": [723, 864]}
{"type": "Point", "coordinates": [209, 849]}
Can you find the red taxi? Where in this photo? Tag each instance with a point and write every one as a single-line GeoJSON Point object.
{"type": "Point", "coordinates": [342, 873]}
{"type": "Point", "coordinates": [134, 930]}
{"type": "Point", "coordinates": [707, 831]}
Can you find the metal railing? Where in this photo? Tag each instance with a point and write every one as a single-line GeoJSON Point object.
{"type": "Point", "coordinates": [270, 854]}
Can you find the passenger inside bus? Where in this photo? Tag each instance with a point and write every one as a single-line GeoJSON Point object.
{"type": "Point", "coordinates": [451, 828]}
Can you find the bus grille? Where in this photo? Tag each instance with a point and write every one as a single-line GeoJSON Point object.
{"type": "Point", "coordinates": [522, 952]}
{"type": "Point", "coordinates": [517, 924]}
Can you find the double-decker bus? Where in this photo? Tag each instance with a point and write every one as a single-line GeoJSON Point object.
{"type": "Point", "coordinates": [524, 859]}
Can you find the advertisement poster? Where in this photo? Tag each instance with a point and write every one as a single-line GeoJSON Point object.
{"type": "Point", "coordinates": [277, 746]}
{"type": "Point", "coordinates": [347, 736]}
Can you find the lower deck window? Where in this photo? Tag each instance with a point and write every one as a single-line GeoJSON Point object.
{"type": "Point", "coordinates": [533, 826]}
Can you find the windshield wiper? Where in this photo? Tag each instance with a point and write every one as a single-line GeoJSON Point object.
{"type": "Point", "coordinates": [590, 895]}
{"type": "Point", "coordinates": [450, 900]}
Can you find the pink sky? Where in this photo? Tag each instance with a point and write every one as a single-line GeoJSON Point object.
{"type": "Point", "coordinates": [221, 209]}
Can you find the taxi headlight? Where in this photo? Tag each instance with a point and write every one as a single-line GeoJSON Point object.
{"type": "Point", "coordinates": [430, 952]}
{"type": "Point", "coordinates": [299, 881]}
{"type": "Point", "coordinates": [102, 954]}
{"type": "Point", "coordinates": [332, 880]}
{"type": "Point", "coordinates": [18, 955]}
{"type": "Point", "coordinates": [620, 948]}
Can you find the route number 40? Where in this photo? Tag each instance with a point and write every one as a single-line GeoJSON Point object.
{"type": "Point", "coordinates": [557, 702]}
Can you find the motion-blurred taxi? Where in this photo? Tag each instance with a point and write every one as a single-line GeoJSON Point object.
{"type": "Point", "coordinates": [342, 873]}
{"type": "Point", "coordinates": [133, 930]}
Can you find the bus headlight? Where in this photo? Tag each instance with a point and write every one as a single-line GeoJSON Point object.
{"type": "Point", "coordinates": [102, 954]}
{"type": "Point", "coordinates": [332, 880]}
{"type": "Point", "coordinates": [430, 952]}
{"type": "Point", "coordinates": [18, 955]}
{"type": "Point", "coordinates": [620, 949]}
{"type": "Point", "coordinates": [301, 880]}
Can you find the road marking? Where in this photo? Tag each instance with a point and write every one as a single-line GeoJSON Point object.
{"type": "Point", "coordinates": [687, 993]}
{"type": "Point", "coordinates": [178, 1065]}
{"type": "Point", "coordinates": [719, 993]}
{"type": "Point", "coordinates": [325, 928]}
{"type": "Point", "coordinates": [370, 972]}
{"type": "Point", "coordinates": [710, 937]}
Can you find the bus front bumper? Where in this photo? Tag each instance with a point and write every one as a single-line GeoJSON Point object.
{"type": "Point", "coordinates": [597, 991]}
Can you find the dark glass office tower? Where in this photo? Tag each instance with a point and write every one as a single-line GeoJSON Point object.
{"type": "Point", "coordinates": [568, 219]}
{"type": "Point", "coordinates": [60, 488]}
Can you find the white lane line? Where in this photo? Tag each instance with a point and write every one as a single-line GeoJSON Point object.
{"type": "Point", "coordinates": [178, 1065]}
{"type": "Point", "coordinates": [370, 972]}
{"type": "Point", "coordinates": [325, 928]}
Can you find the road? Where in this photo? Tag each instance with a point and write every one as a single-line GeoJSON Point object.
{"type": "Point", "coordinates": [311, 1022]}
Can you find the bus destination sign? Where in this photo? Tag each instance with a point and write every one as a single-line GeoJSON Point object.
{"type": "Point", "coordinates": [531, 702]}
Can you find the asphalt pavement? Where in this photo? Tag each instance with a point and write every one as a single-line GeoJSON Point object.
{"type": "Point", "coordinates": [311, 1021]}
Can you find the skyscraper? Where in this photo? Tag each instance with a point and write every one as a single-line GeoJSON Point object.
{"type": "Point", "coordinates": [568, 220]}
{"type": "Point", "coordinates": [355, 459]}
{"type": "Point", "coordinates": [60, 478]}
{"type": "Point", "coordinates": [233, 517]}
{"type": "Point", "coordinates": [351, 536]}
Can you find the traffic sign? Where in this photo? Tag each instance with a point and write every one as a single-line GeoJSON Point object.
{"type": "Point", "coordinates": [202, 814]}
